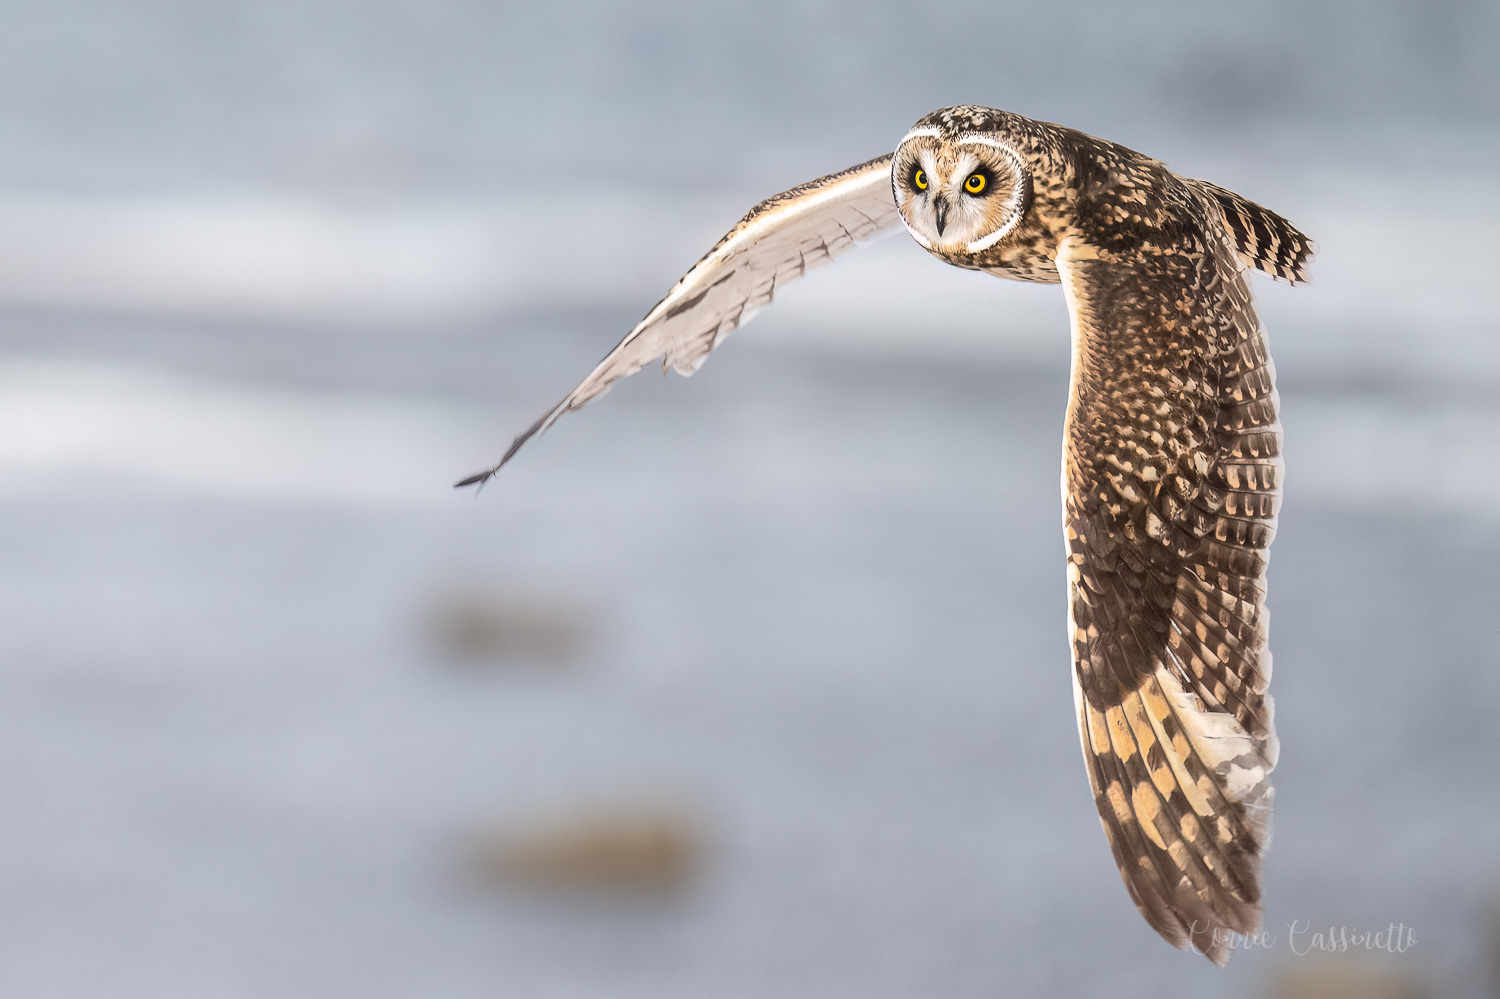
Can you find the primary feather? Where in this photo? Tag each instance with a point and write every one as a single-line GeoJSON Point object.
{"type": "Point", "coordinates": [777, 242]}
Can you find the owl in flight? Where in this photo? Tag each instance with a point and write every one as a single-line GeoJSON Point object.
{"type": "Point", "coordinates": [1171, 470]}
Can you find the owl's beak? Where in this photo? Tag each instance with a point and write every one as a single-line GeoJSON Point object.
{"type": "Point", "coordinates": [940, 207]}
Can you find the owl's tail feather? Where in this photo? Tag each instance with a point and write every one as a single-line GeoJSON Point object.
{"type": "Point", "coordinates": [1265, 240]}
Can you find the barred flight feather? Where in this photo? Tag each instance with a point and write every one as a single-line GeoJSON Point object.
{"type": "Point", "coordinates": [1265, 240]}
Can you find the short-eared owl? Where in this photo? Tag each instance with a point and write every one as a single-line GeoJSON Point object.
{"type": "Point", "coordinates": [1171, 468]}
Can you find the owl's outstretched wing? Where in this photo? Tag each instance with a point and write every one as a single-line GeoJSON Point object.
{"type": "Point", "coordinates": [781, 239]}
{"type": "Point", "coordinates": [1172, 475]}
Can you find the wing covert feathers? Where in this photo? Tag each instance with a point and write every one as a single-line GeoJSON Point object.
{"type": "Point", "coordinates": [778, 241]}
{"type": "Point", "coordinates": [1172, 472]}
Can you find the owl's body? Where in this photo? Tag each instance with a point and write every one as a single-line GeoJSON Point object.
{"type": "Point", "coordinates": [1171, 459]}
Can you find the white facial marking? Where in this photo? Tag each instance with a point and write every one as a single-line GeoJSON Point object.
{"type": "Point", "coordinates": [1013, 206]}
{"type": "Point", "coordinates": [930, 133]}
{"type": "Point", "coordinates": [924, 160]}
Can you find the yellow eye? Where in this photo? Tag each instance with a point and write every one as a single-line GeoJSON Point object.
{"type": "Point", "coordinates": [975, 183]}
{"type": "Point", "coordinates": [920, 179]}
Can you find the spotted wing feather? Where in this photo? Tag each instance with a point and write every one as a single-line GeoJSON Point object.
{"type": "Point", "coordinates": [779, 241]}
{"type": "Point", "coordinates": [1172, 472]}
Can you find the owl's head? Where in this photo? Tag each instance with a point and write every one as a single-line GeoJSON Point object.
{"type": "Point", "coordinates": [959, 192]}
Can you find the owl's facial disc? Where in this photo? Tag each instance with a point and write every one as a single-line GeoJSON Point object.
{"type": "Point", "coordinates": [959, 196]}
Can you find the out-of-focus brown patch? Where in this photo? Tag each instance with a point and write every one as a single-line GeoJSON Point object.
{"type": "Point", "coordinates": [1347, 979]}
{"type": "Point", "coordinates": [640, 848]}
{"type": "Point", "coordinates": [511, 626]}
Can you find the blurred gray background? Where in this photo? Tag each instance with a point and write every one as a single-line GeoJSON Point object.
{"type": "Point", "coordinates": [754, 685]}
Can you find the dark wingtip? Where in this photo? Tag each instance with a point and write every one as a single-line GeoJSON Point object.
{"type": "Point", "coordinates": [480, 478]}
{"type": "Point", "coordinates": [477, 479]}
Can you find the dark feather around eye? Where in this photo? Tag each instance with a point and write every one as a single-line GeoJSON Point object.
{"type": "Point", "coordinates": [985, 187]}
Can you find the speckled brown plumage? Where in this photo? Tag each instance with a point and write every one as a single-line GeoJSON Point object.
{"type": "Point", "coordinates": [1172, 475]}
{"type": "Point", "coordinates": [1171, 461]}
